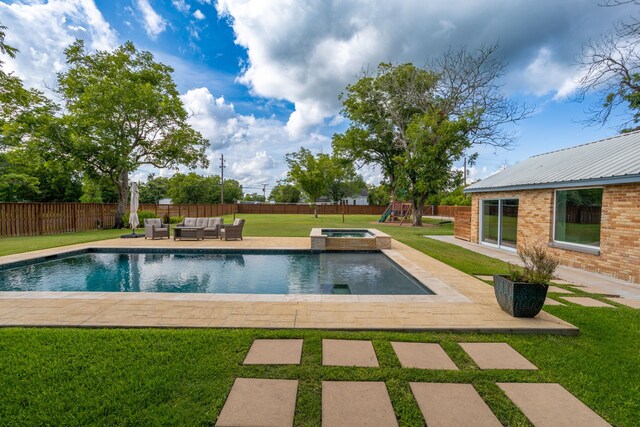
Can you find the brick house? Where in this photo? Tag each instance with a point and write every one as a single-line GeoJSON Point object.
{"type": "Point", "coordinates": [583, 202]}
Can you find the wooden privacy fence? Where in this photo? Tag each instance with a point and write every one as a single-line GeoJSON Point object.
{"type": "Point", "coordinates": [32, 219]}
{"type": "Point", "coordinates": [462, 222]}
{"type": "Point", "coordinates": [308, 210]}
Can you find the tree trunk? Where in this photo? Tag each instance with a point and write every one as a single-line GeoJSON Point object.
{"type": "Point", "coordinates": [417, 206]}
{"type": "Point", "coordinates": [123, 193]}
{"type": "Point", "coordinates": [315, 210]}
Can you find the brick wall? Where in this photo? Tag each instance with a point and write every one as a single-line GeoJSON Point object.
{"type": "Point", "coordinates": [619, 233]}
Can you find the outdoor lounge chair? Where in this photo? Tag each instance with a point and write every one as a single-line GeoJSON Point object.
{"type": "Point", "coordinates": [233, 231]}
{"type": "Point", "coordinates": [212, 229]}
{"type": "Point", "coordinates": [153, 227]}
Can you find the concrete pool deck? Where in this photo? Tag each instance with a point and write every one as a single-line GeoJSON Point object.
{"type": "Point", "coordinates": [461, 303]}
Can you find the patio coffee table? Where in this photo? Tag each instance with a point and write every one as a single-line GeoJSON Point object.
{"type": "Point", "coordinates": [188, 233]}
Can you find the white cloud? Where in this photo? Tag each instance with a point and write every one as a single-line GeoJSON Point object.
{"type": "Point", "coordinates": [198, 15]}
{"type": "Point", "coordinates": [41, 31]}
{"type": "Point", "coordinates": [253, 147]}
{"type": "Point", "coordinates": [154, 24]}
{"type": "Point", "coordinates": [181, 6]}
{"type": "Point", "coordinates": [307, 52]}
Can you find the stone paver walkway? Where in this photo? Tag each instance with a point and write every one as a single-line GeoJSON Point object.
{"type": "Point", "coordinates": [260, 403]}
{"type": "Point", "coordinates": [551, 301]}
{"type": "Point", "coordinates": [496, 356]}
{"type": "Point", "coordinates": [348, 353]}
{"type": "Point", "coordinates": [270, 402]}
{"type": "Point", "coordinates": [567, 275]}
{"type": "Point", "coordinates": [422, 356]}
{"type": "Point", "coordinates": [599, 291]}
{"type": "Point", "coordinates": [558, 290]}
{"type": "Point", "coordinates": [587, 302]}
{"type": "Point", "coordinates": [354, 404]}
{"type": "Point", "coordinates": [452, 405]}
{"type": "Point", "coordinates": [274, 352]}
{"type": "Point", "coordinates": [550, 405]}
{"type": "Point", "coordinates": [633, 303]}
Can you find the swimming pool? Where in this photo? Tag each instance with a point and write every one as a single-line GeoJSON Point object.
{"type": "Point", "coordinates": [214, 271]}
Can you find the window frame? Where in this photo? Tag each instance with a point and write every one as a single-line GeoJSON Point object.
{"type": "Point", "coordinates": [481, 221]}
{"type": "Point", "coordinates": [570, 245]}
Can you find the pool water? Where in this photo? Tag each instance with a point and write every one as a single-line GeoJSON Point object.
{"type": "Point", "coordinates": [252, 273]}
{"type": "Point", "coordinates": [346, 233]}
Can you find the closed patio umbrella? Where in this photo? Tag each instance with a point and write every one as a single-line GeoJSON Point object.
{"type": "Point", "coordinates": [133, 208]}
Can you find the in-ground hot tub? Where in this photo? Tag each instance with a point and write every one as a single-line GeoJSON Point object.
{"type": "Point", "coordinates": [349, 239]}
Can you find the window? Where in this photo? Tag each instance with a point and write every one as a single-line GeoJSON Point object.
{"type": "Point", "coordinates": [577, 218]}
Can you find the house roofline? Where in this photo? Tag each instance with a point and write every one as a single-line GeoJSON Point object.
{"type": "Point", "coordinates": [626, 179]}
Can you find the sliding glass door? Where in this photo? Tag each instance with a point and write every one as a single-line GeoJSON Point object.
{"type": "Point", "coordinates": [499, 222]}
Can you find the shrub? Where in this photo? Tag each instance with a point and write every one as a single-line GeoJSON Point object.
{"type": "Point", "coordinates": [539, 265]}
{"type": "Point", "coordinates": [176, 219]}
{"type": "Point", "coordinates": [142, 215]}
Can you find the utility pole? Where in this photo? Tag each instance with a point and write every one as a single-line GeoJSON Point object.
{"type": "Point", "coordinates": [264, 191]}
{"type": "Point", "coordinates": [222, 166]}
{"type": "Point", "coordinates": [465, 171]}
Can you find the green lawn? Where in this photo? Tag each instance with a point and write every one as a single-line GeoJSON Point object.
{"type": "Point", "coordinates": [176, 377]}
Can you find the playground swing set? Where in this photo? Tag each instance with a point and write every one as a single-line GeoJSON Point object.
{"type": "Point", "coordinates": [401, 212]}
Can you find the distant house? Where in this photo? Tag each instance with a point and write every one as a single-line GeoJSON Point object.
{"type": "Point", "coordinates": [165, 201]}
{"type": "Point", "coordinates": [583, 202]}
{"type": "Point", "coordinates": [361, 199]}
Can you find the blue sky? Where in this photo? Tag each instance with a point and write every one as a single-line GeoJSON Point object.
{"type": "Point", "coordinates": [262, 78]}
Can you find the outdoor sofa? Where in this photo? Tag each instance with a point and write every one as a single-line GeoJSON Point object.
{"type": "Point", "coordinates": [207, 228]}
{"type": "Point", "coordinates": [153, 227]}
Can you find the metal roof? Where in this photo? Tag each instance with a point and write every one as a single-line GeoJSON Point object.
{"type": "Point", "coordinates": [614, 160]}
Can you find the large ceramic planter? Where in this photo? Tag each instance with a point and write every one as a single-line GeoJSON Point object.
{"type": "Point", "coordinates": [519, 299]}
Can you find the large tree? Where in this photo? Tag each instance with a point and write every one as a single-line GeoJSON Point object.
{"type": "Point", "coordinates": [416, 122]}
{"type": "Point", "coordinates": [342, 179]}
{"type": "Point", "coordinates": [309, 173]}
{"type": "Point", "coordinates": [611, 70]}
{"type": "Point", "coordinates": [123, 111]}
{"type": "Point", "coordinates": [285, 193]}
{"type": "Point", "coordinates": [27, 118]}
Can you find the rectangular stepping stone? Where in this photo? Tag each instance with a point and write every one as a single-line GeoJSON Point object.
{"type": "Point", "coordinates": [549, 301]}
{"type": "Point", "coordinates": [587, 302]}
{"type": "Point", "coordinates": [496, 355]}
{"type": "Point", "coordinates": [354, 404]}
{"type": "Point", "coordinates": [558, 290]}
{"type": "Point", "coordinates": [452, 405]}
{"type": "Point", "coordinates": [551, 405]}
{"type": "Point", "coordinates": [348, 353]}
{"type": "Point", "coordinates": [633, 303]}
{"type": "Point", "coordinates": [422, 355]}
{"type": "Point", "coordinates": [274, 352]}
{"type": "Point", "coordinates": [257, 402]}
{"type": "Point", "coordinates": [563, 282]}
{"type": "Point", "coordinates": [598, 291]}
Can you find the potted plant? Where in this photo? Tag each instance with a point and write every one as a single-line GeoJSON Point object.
{"type": "Point", "coordinates": [522, 293]}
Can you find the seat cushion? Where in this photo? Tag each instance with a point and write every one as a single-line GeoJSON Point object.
{"type": "Point", "coordinates": [213, 222]}
{"type": "Point", "coordinates": [202, 222]}
{"type": "Point", "coordinates": [190, 222]}
{"type": "Point", "coordinates": [153, 221]}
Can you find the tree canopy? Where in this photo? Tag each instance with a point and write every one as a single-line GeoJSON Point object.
{"type": "Point", "coordinates": [414, 123]}
{"type": "Point", "coordinates": [611, 69]}
{"type": "Point", "coordinates": [285, 193]}
{"type": "Point", "coordinates": [323, 175]}
{"type": "Point", "coordinates": [123, 111]}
